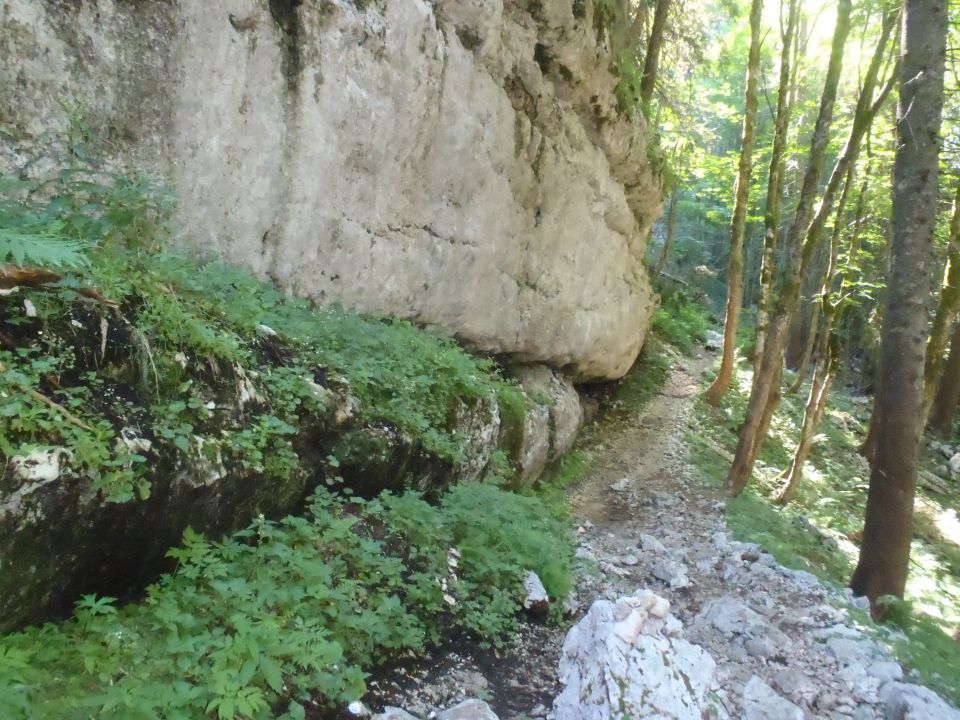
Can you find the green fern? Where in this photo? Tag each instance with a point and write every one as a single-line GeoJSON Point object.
{"type": "Point", "coordinates": [43, 249]}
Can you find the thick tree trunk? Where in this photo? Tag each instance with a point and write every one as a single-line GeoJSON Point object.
{"type": "Point", "coordinates": [651, 61]}
{"type": "Point", "coordinates": [763, 380]}
{"type": "Point", "coordinates": [885, 550]}
{"type": "Point", "coordinates": [738, 222]}
{"type": "Point", "coordinates": [671, 231]}
{"type": "Point", "coordinates": [807, 229]}
{"type": "Point", "coordinates": [948, 393]}
{"type": "Point", "coordinates": [946, 313]}
{"type": "Point", "coordinates": [771, 218]}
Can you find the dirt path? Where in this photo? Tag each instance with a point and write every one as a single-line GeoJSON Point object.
{"type": "Point", "coordinates": [647, 520]}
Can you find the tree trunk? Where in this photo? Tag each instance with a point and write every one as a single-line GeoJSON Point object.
{"type": "Point", "coordinates": [671, 230]}
{"type": "Point", "coordinates": [738, 222]}
{"type": "Point", "coordinates": [771, 218]}
{"type": "Point", "coordinates": [807, 228]}
{"type": "Point", "coordinates": [806, 352]}
{"type": "Point", "coordinates": [946, 312]}
{"type": "Point", "coordinates": [823, 378]}
{"type": "Point", "coordinates": [948, 394]}
{"type": "Point", "coordinates": [823, 308]}
{"type": "Point", "coordinates": [828, 350]}
{"type": "Point", "coordinates": [885, 550]}
{"type": "Point", "coordinates": [651, 61]}
{"type": "Point", "coordinates": [762, 390]}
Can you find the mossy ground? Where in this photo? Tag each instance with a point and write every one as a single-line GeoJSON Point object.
{"type": "Point", "coordinates": [819, 532]}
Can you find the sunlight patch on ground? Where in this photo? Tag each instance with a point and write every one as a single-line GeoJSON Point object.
{"type": "Point", "coordinates": [948, 524]}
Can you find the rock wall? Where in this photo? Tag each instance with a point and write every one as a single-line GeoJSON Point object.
{"type": "Point", "coordinates": [460, 162]}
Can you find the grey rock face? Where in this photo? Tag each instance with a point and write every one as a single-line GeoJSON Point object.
{"type": "Point", "coordinates": [628, 658]}
{"type": "Point", "coordinates": [903, 701]}
{"type": "Point", "coordinates": [553, 421]}
{"type": "Point", "coordinates": [761, 702]}
{"type": "Point", "coordinates": [468, 710]}
{"type": "Point", "coordinates": [396, 159]}
{"type": "Point", "coordinates": [732, 617]}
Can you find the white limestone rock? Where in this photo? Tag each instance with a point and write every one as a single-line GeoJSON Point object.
{"type": "Point", "coordinates": [535, 599]}
{"type": "Point", "coordinates": [394, 713]}
{"type": "Point", "coordinates": [714, 340]}
{"type": "Point", "coordinates": [628, 658]}
{"type": "Point", "coordinates": [410, 158]}
{"type": "Point", "coordinates": [468, 710]}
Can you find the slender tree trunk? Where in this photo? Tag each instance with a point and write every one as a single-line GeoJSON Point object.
{"type": "Point", "coordinates": [948, 394]}
{"type": "Point", "coordinates": [762, 390]}
{"type": "Point", "coordinates": [738, 222]}
{"type": "Point", "coordinates": [807, 229]}
{"type": "Point", "coordinates": [671, 230]}
{"type": "Point", "coordinates": [823, 378]}
{"type": "Point", "coordinates": [775, 177]}
{"type": "Point", "coordinates": [821, 308]}
{"type": "Point", "coordinates": [946, 313]}
{"type": "Point", "coordinates": [806, 353]}
{"type": "Point", "coordinates": [885, 550]}
{"type": "Point", "coordinates": [651, 61]}
{"type": "Point", "coordinates": [828, 350]}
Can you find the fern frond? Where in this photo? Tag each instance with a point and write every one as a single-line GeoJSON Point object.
{"type": "Point", "coordinates": [46, 250]}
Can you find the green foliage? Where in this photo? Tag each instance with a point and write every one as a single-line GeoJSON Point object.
{"type": "Point", "coordinates": [256, 625]}
{"type": "Point", "coordinates": [641, 384]}
{"type": "Point", "coordinates": [202, 361]}
{"type": "Point", "coordinates": [682, 322]}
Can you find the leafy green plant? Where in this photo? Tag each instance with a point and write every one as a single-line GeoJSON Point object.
{"type": "Point", "coordinates": [223, 365]}
{"type": "Point", "coordinates": [284, 612]}
{"type": "Point", "coordinates": [682, 322]}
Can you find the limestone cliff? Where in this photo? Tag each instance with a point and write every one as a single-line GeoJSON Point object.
{"type": "Point", "coordinates": [459, 162]}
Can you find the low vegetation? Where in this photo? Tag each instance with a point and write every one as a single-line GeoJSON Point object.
{"type": "Point", "coordinates": [194, 357]}
{"type": "Point", "coordinates": [285, 614]}
{"type": "Point", "coordinates": [682, 321]}
{"type": "Point", "coordinates": [138, 361]}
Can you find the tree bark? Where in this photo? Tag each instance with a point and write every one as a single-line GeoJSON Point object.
{"type": "Point", "coordinates": [885, 550]}
{"type": "Point", "coordinates": [671, 230]}
{"type": "Point", "coordinates": [775, 176]}
{"type": "Point", "coordinates": [762, 390]}
{"type": "Point", "coordinates": [946, 313]}
{"type": "Point", "coordinates": [651, 60]}
{"type": "Point", "coordinates": [822, 309]}
{"type": "Point", "coordinates": [948, 393]}
{"type": "Point", "coordinates": [738, 222]}
{"type": "Point", "coordinates": [806, 352]}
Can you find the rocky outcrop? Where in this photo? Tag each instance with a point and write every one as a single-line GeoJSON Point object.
{"type": "Point", "coordinates": [628, 659]}
{"type": "Point", "coordinates": [550, 427]}
{"type": "Point", "coordinates": [460, 163]}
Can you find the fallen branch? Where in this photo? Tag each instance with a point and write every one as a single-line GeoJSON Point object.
{"type": "Point", "coordinates": [12, 276]}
